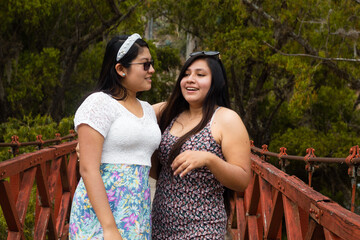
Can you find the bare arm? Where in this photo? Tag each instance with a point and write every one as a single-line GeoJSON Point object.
{"type": "Point", "coordinates": [158, 107]}
{"type": "Point", "coordinates": [91, 143]}
{"type": "Point", "coordinates": [233, 173]}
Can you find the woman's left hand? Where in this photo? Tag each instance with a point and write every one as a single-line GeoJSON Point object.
{"type": "Point", "coordinates": [188, 160]}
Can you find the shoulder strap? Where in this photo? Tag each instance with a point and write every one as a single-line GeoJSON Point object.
{"type": "Point", "coordinates": [212, 118]}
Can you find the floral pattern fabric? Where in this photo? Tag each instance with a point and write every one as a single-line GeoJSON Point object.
{"type": "Point", "coordinates": [128, 192]}
{"type": "Point", "coordinates": [191, 207]}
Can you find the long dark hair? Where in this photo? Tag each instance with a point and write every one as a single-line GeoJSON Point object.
{"type": "Point", "coordinates": [176, 104]}
{"type": "Point", "coordinates": [110, 81]}
{"type": "Point", "coordinates": [218, 95]}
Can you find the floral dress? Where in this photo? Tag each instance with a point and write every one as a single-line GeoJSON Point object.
{"type": "Point", "coordinates": [128, 192]}
{"type": "Point", "coordinates": [191, 207]}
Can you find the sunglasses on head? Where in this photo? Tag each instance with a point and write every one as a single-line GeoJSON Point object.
{"type": "Point", "coordinates": [146, 64]}
{"type": "Point", "coordinates": [207, 53]}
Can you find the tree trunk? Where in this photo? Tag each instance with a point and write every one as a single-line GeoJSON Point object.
{"type": "Point", "coordinates": [73, 50]}
{"type": "Point", "coordinates": [3, 107]}
{"type": "Point", "coordinates": [236, 92]}
{"type": "Point", "coordinates": [57, 110]}
{"type": "Point", "coordinates": [190, 44]}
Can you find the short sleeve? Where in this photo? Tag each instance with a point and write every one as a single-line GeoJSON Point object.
{"type": "Point", "coordinates": [97, 111]}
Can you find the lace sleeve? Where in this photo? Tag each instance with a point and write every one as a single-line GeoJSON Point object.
{"type": "Point", "coordinates": [97, 112]}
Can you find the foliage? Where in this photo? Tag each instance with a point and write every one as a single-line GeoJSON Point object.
{"type": "Point", "coordinates": [327, 121]}
{"type": "Point", "coordinates": [167, 62]}
{"type": "Point", "coordinates": [85, 75]}
{"type": "Point", "coordinates": [27, 95]}
{"type": "Point", "coordinates": [43, 43]}
{"type": "Point", "coordinates": [28, 128]}
{"type": "Point", "coordinates": [262, 81]}
{"type": "Point", "coordinates": [290, 71]}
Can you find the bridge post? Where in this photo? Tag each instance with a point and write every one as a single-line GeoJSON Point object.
{"type": "Point", "coordinates": [309, 167]}
{"type": "Point", "coordinates": [282, 162]}
{"type": "Point", "coordinates": [352, 172]}
{"type": "Point", "coordinates": [264, 149]}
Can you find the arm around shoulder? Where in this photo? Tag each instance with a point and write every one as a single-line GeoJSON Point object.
{"type": "Point", "coordinates": [158, 108]}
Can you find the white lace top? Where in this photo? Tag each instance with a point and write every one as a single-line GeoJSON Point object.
{"type": "Point", "coordinates": [127, 138]}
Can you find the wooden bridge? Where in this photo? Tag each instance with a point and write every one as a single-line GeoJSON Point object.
{"type": "Point", "coordinates": [273, 206]}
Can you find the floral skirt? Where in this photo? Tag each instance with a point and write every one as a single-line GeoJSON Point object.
{"type": "Point", "coordinates": [128, 191]}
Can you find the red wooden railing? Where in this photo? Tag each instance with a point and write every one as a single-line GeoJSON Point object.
{"type": "Point", "coordinates": [53, 172]}
{"type": "Point", "coordinates": [39, 143]}
{"type": "Point", "coordinates": [277, 204]}
{"type": "Point", "coordinates": [274, 204]}
{"type": "Point", "coordinates": [312, 162]}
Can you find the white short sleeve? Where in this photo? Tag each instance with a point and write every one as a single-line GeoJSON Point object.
{"type": "Point", "coordinates": [97, 111]}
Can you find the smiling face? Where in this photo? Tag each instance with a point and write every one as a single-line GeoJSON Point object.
{"type": "Point", "coordinates": [136, 78]}
{"type": "Point", "coordinates": [196, 82]}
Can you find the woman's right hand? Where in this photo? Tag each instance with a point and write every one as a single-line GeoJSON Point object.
{"type": "Point", "coordinates": [112, 234]}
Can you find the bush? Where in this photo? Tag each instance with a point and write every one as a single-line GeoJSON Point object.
{"type": "Point", "coordinates": [28, 128]}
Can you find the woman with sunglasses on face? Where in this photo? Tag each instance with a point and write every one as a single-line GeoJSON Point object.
{"type": "Point", "coordinates": [118, 134]}
{"type": "Point", "coordinates": [204, 152]}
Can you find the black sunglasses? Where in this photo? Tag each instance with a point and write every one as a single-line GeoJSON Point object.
{"type": "Point", "coordinates": [146, 64]}
{"type": "Point", "coordinates": [207, 53]}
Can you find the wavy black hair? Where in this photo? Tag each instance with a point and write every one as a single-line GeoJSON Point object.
{"type": "Point", "coordinates": [109, 80]}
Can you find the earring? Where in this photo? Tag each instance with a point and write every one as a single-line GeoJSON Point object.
{"type": "Point", "coordinates": [123, 74]}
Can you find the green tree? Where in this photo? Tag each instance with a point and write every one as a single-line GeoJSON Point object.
{"type": "Point", "coordinates": [255, 42]}
{"type": "Point", "coordinates": [293, 68]}
{"type": "Point", "coordinates": [42, 42]}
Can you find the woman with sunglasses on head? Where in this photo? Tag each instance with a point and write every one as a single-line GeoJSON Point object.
{"type": "Point", "coordinates": [199, 131]}
{"type": "Point", "coordinates": [118, 134]}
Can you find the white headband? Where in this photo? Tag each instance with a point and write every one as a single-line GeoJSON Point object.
{"type": "Point", "coordinates": [127, 45]}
